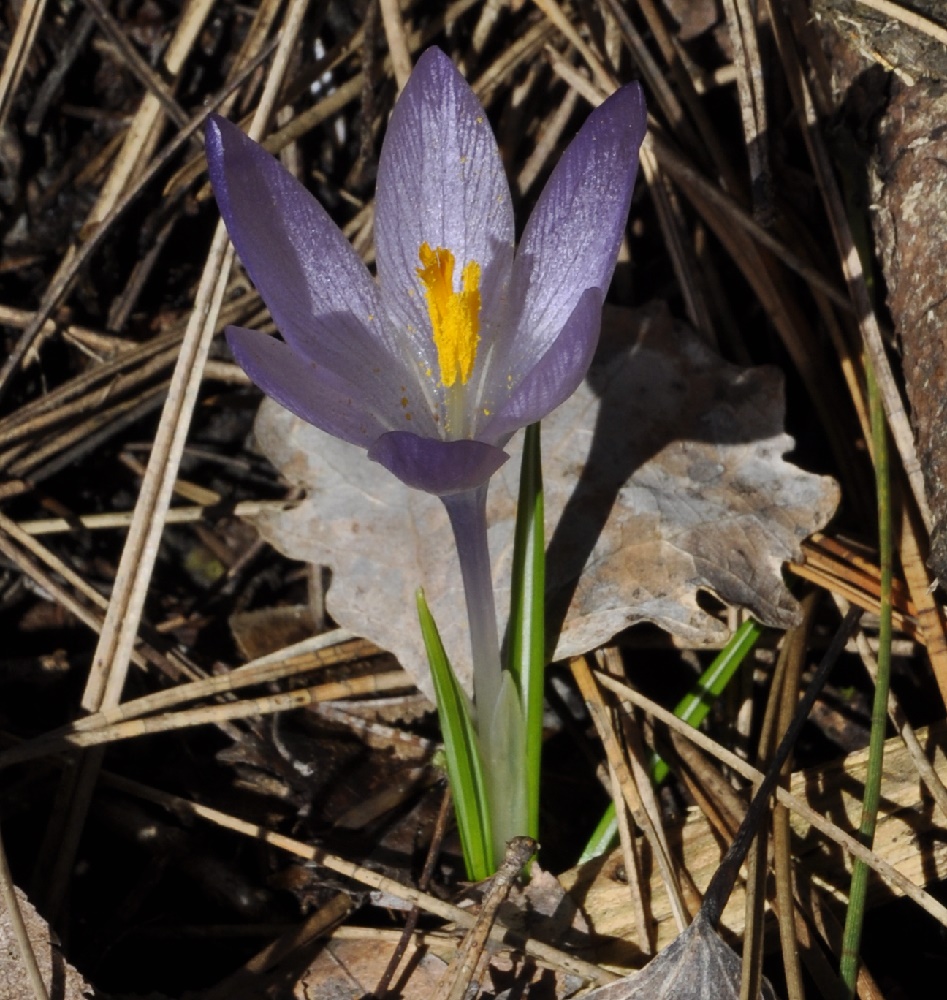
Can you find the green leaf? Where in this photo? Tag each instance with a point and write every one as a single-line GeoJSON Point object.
{"type": "Point", "coordinates": [527, 642]}
{"type": "Point", "coordinates": [695, 705]}
{"type": "Point", "coordinates": [604, 835]}
{"type": "Point", "coordinates": [693, 709]}
{"type": "Point", "coordinates": [464, 763]}
{"type": "Point", "coordinates": [505, 767]}
{"type": "Point", "coordinates": [857, 894]}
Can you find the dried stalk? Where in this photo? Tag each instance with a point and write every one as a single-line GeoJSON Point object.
{"type": "Point", "coordinates": [857, 850]}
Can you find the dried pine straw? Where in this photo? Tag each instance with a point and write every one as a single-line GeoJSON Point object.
{"type": "Point", "coordinates": [111, 314]}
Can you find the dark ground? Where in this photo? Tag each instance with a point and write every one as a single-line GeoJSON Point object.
{"type": "Point", "coordinates": [157, 902]}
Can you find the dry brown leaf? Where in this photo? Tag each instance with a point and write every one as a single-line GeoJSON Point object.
{"type": "Point", "coordinates": [664, 475]}
{"type": "Point", "coordinates": [697, 965]}
{"type": "Point", "coordinates": [349, 970]}
{"type": "Point", "coordinates": [62, 981]}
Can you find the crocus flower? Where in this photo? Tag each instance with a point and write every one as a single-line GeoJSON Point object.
{"type": "Point", "coordinates": [459, 342]}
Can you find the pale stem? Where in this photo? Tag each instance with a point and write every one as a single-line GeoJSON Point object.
{"type": "Point", "coordinates": [499, 716]}
{"type": "Point", "coordinates": [468, 519]}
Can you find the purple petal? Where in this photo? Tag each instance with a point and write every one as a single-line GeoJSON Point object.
{"type": "Point", "coordinates": [313, 393]}
{"type": "Point", "coordinates": [441, 182]}
{"type": "Point", "coordinates": [572, 238]}
{"type": "Point", "coordinates": [435, 466]}
{"type": "Point", "coordinates": [556, 375]}
{"type": "Point", "coordinates": [318, 291]}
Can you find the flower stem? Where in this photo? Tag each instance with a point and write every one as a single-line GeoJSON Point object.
{"type": "Point", "coordinates": [468, 519]}
{"type": "Point", "coordinates": [500, 725]}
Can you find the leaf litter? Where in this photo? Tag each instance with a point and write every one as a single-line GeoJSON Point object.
{"type": "Point", "coordinates": [93, 361]}
{"type": "Point", "coordinates": [664, 475]}
{"type": "Point", "coordinates": [698, 964]}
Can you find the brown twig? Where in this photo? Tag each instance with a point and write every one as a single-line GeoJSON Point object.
{"type": "Point", "coordinates": [119, 631]}
{"type": "Point", "coordinates": [549, 956]}
{"type": "Point", "coordinates": [887, 872]}
{"type": "Point", "coordinates": [424, 881]}
{"type": "Point", "coordinates": [461, 972]}
{"type": "Point", "coordinates": [73, 264]}
{"type": "Point", "coordinates": [136, 65]}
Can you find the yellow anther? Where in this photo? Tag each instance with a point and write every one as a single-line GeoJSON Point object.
{"type": "Point", "coordinates": [455, 316]}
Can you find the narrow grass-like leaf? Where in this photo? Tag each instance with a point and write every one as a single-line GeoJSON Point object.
{"type": "Point", "coordinates": [603, 836]}
{"type": "Point", "coordinates": [695, 705]}
{"type": "Point", "coordinates": [692, 709]}
{"type": "Point", "coordinates": [462, 749]}
{"type": "Point", "coordinates": [855, 914]}
{"type": "Point", "coordinates": [505, 765]}
{"type": "Point", "coordinates": [527, 643]}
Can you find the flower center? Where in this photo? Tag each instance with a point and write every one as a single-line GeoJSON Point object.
{"type": "Point", "coordinates": [455, 316]}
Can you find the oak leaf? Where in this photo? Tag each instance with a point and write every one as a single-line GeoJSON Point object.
{"type": "Point", "coordinates": [664, 476]}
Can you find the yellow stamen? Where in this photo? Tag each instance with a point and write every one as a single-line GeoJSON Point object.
{"type": "Point", "coordinates": [455, 316]}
